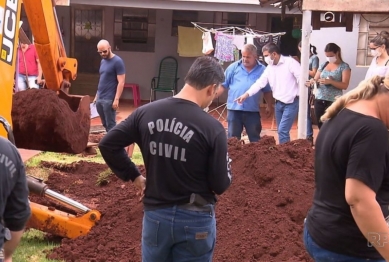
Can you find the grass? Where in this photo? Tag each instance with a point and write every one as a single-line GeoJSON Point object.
{"type": "Point", "coordinates": [34, 244]}
{"type": "Point", "coordinates": [103, 177]}
{"type": "Point", "coordinates": [32, 248]}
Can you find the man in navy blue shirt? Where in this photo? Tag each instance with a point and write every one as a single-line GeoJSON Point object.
{"type": "Point", "coordinates": [112, 77]}
{"type": "Point", "coordinates": [239, 76]}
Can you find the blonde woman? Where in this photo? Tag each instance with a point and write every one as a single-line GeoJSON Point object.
{"type": "Point", "coordinates": [379, 47]}
{"type": "Point", "coordinates": [349, 216]}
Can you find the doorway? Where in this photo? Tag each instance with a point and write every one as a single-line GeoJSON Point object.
{"type": "Point", "coordinates": [288, 42]}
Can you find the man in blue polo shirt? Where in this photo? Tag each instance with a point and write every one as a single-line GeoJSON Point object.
{"type": "Point", "coordinates": [239, 76]}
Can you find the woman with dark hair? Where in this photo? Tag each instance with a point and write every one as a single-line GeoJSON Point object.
{"type": "Point", "coordinates": [333, 77]}
{"type": "Point", "coordinates": [349, 217]}
{"type": "Point", "coordinates": [379, 47]}
{"type": "Point", "coordinates": [313, 66]}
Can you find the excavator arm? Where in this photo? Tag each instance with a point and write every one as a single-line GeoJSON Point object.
{"type": "Point", "coordinates": [58, 71]}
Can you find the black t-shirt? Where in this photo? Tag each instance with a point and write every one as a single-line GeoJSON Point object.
{"type": "Point", "coordinates": [14, 204]}
{"type": "Point", "coordinates": [183, 147]}
{"type": "Point", "coordinates": [351, 145]}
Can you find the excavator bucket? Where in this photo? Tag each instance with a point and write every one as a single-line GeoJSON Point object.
{"type": "Point", "coordinates": [46, 121]}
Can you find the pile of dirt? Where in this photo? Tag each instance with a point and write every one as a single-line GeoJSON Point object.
{"type": "Point", "coordinates": [260, 218]}
{"type": "Point", "coordinates": [43, 121]}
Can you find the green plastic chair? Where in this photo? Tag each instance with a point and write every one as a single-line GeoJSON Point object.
{"type": "Point", "coordinates": [166, 81]}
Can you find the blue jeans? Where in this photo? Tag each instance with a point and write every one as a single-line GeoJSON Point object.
{"type": "Point", "coordinates": [179, 235]}
{"type": "Point", "coordinates": [322, 255]}
{"type": "Point", "coordinates": [22, 84]}
{"type": "Point", "coordinates": [106, 113]}
{"type": "Point", "coordinates": [251, 121]}
{"type": "Point", "coordinates": [285, 116]}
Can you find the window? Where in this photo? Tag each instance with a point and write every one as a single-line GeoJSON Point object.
{"type": "Point", "coordinates": [369, 26]}
{"type": "Point", "coordinates": [183, 18]}
{"type": "Point", "coordinates": [134, 29]}
{"type": "Point", "coordinates": [236, 19]}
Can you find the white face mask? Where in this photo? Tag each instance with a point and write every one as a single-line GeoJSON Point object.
{"type": "Point", "coordinates": [268, 60]}
{"type": "Point", "coordinates": [331, 59]}
{"type": "Point", "coordinates": [375, 52]}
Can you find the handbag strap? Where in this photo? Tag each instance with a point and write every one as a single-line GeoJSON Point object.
{"type": "Point", "coordinates": [25, 68]}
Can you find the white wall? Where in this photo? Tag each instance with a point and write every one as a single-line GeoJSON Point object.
{"type": "Point", "coordinates": [348, 42]}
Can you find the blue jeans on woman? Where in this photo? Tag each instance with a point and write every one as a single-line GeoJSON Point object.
{"type": "Point", "coordinates": [106, 112]}
{"type": "Point", "coordinates": [323, 255]}
{"type": "Point", "coordinates": [179, 235]}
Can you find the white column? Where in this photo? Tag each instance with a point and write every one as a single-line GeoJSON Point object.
{"type": "Point", "coordinates": [303, 90]}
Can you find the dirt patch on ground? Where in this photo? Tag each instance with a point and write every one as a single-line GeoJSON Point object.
{"type": "Point", "coordinates": [43, 121]}
{"type": "Point", "coordinates": [260, 218]}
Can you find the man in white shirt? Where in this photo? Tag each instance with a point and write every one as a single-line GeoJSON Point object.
{"type": "Point", "coordinates": [282, 74]}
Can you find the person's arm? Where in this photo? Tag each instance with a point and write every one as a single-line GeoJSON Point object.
{"type": "Point", "coordinates": [367, 214]}
{"type": "Point", "coordinates": [261, 82]}
{"type": "Point", "coordinates": [227, 80]}
{"type": "Point", "coordinates": [11, 245]}
{"type": "Point", "coordinates": [295, 69]}
{"type": "Point", "coordinates": [112, 148]}
{"type": "Point", "coordinates": [121, 77]}
{"type": "Point", "coordinates": [119, 89]}
{"type": "Point", "coordinates": [220, 91]}
{"type": "Point", "coordinates": [315, 66]}
{"type": "Point", "coordinates": [364, 177]}
{"type": "Point", "coordinates": [219, 169]}
{"type": "Point", "coordinates": [17, 211]}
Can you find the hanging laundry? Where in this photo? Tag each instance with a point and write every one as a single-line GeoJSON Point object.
{"type": "Point", "coordinates": [249, 39]}
{"type": "Point", "coordinates": [207, 43]}
{"type": "Point", "coordinates": [224, 50]}
{"type": "Point", "coordinates": [238, 41]}
{"type": "Point", "coordinates": [264, 40]}
{"type": "Point", "coordinates": [190, 42]}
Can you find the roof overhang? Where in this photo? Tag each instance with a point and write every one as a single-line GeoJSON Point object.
{"type": "Point", "coordinates": [246, 6]}
{"type": "Point", "coordinates": [364, 6]}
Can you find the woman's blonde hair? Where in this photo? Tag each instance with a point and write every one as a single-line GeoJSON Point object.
{"type": "Point", "coordinates": [366, 90]}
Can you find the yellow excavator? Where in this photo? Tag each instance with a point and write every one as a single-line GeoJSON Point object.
{"type": "Point", "coordinates": [58, 71]}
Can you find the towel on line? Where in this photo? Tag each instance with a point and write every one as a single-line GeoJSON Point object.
{"type": "Point", "coordinates": [190, 42]}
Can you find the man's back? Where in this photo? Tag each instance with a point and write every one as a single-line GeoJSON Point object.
{"type": "Point", "coordinates": [180, 144]}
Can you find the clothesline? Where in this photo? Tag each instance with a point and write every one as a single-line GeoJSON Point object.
{"type": "Point", "coordinates": [234, 30]}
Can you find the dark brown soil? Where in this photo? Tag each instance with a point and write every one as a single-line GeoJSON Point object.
{"type": "Point", "coordinates": [260, 218]}
{"type": "Point", "coordinates": [43, 121]}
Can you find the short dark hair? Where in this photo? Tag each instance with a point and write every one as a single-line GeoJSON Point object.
{"type": "Point", "coordinates": [271, 48]}
{"type": "Point", "coordinates": [205, 71]}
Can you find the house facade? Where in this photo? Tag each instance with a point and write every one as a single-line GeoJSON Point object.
{"type": "Point", "coordinates": [85, 22]}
